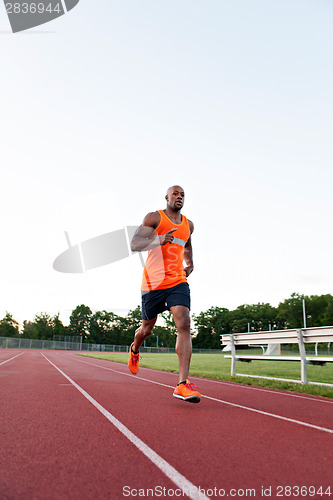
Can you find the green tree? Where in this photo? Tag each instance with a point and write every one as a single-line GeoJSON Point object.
{"type": "Point", "coordinates": [253, 317]}
{"type": "Point", "coordinates": [209, 326]}
{"type": "Point", "coordinates": [9, 327]}
{"type": "Point", "coordinates": [328, 316]}
{"type": "Point", "coordinates": [28, 330]}
{"type": "Point", "coordinates": [58, 328]}
{"type": "Point", "coordinates": [79, 322]}
{"type": "Point", "coordinates": [240, 318]}
{"type": "Point", "coordinates": [317, 308]}
{"type": "Point", "coordinates": [290, 312]}
{"type": "Point", "coordinates": [109, 328]}
{"type": "Point", "coordinates": [40, 328]}
{"type": "Point", "coordinates": [257, 317]}
{"type": "Point", "coordinates": [104, 328]}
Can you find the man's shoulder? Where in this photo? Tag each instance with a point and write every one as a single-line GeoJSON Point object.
{"type": "Point", "coordinates": [152, 219]}
{"type": "Point", "coordinates": [191, 225]}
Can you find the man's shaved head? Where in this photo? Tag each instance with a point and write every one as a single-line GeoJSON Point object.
{"type": "Point", "coordinates": [175, 187]}
{"type": "Point", "coordinates": [175, 197]}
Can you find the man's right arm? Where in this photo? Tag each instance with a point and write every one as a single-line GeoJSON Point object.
{"type": "Point", "coordinates": [144, 238]}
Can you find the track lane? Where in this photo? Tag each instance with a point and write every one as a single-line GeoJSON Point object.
{"type": "Point", "coordinates": [290, 406]}
{"type": "Point", "coordinates": [250, 447]}
{"type": "Point", "coordinates": [180, 481]}
{"type": "Point", "coordinates": [54, 444]}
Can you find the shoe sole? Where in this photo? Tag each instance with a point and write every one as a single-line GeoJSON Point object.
{"type": "Point", "coordinates": [189, 399]}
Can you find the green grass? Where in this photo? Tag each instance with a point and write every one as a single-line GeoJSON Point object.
{"type": "Point", "coordinates": [216, 366]}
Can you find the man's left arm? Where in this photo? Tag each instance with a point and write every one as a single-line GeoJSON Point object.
{"type": "Point", "coordinates": [188, 253]}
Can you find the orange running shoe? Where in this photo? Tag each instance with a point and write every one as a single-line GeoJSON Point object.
{"type": "Point", "coordinates": [187, 393]}
{"type": "Point", "coordinates": [133, 361]}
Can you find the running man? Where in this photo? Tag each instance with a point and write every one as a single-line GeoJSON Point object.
{"type": "Point", "coordinates": [166, 234]}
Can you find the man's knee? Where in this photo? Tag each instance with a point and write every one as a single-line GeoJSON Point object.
{"type": "Point", "coordinates": [147, 327]}
{"type": "Point", "coordinates": [146, 330]}
{"type": "Point", "coordinates": [183, 322]}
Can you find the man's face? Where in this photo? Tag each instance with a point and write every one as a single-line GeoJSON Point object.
{"type": "Point", "coordinates": [175, 197]}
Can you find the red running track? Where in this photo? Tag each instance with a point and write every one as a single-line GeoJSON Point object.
{"type": "Point", "coordinates": [79, 428]}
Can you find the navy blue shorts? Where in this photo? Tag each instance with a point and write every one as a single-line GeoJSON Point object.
{"type": "Point", "coordinates": [156, 301]}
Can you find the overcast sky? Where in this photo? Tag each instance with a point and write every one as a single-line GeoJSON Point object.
{"type": "Point", "coordinates": [106, 107]}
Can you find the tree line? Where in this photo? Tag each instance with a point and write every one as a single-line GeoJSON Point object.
{"type": "Point", "coordinates": [262, 317]}
{"type": "Point", "coordinates": [104, 327]}
{"type": "Point", "coordinates": [101, 327]}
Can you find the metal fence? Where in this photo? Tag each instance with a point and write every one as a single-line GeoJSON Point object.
{"type": "Point", "coordinates": [20, 343]}
{"type": "Point", "coordinates": [66, 345]}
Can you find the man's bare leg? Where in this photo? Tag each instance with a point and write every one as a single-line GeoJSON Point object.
{"type": "Point", "coordinates": [181, 315]}
{"type": "Point", "coordinates": [142, 333]}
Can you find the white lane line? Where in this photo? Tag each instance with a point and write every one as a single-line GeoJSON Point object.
{"type": "Point", "coordinates": [270, 391]}
{"type": "Point", "coordinates": [280, 417]}
{"type": "Point", "coordinates": [178, 479]}
{"type": "Point", "coordinates": [10, 359]}
{"type": "Point", "coordinates": [248, 408]}
{"type": "Point", "coordinates": [277, 392]}
{"type": "Point", "coordinates": [260, 389]}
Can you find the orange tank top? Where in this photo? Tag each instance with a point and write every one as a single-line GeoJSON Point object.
{"type": "Point", "coordinates": [164, 265]}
